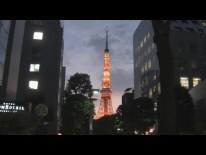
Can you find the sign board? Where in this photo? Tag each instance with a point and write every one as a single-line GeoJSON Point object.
{"type": "Point", "coordinates": [10, 107]}
{"type": "Point", "coordinates": [41, 110]}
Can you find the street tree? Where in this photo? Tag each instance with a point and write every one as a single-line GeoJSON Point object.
{"type": "Point", "coordinates": [143, 114]}
{"type": "Point", "coordinates": [167, 117]}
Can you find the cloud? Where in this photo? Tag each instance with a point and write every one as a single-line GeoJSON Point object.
{"type": "Point", "coordinates": [84, 45]}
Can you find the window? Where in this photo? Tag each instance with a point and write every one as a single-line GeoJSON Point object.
{"type": "Point", "coordinates": [200, 31]}
{"type": "Point", "coordinates": [138, 60]}
{"type": "Point", "coordinates": [146, 80]}
{"type": "Point", "coordinates": [33, 84]}
{"type": "Point", "coordinates": [142, 69]}
{"type": "Point", "coordinates": [38, 36]}
{"type": "Point", "coordinates": [149, 63]}
{"type": "Point", "coordinates": [193, 47]}
{"type": "Point", "coordinates": [194, 65]}
{"type": "Point", "coordinates": [183, 65]}
{"type": "Point", "coordinates": [141, 44]}
{"type": "Point", "coordinates": [155, 106]}
{"type": "Point", "coordinates": [195, 22]}
{"type": "Point", "coordinates": [185, 21]}
{"type": "Point", "coordinates": [34, 67]}
{"type": "Point", "coordinates": [150, 93]}
{"type": "Point", "coordinates": [36, 51]}
{"type": "Point", "coordinates": [181, 47]}
{"type": "Point", "coordinates": [196, 81]}
{"type": "Point", "coordinates": [178, 28]}
{"type": "Point", "coordinates": [148, 35]}
{"type": "Point", "coordinates": [138, 48]}
{"type": "Point", "coordinates": [145, 38]}
{"type": "Point", "coordinates": [145, 67]}
{"type": "Point", "coordinates": [153, 45]}
{"type": "Point", "coordinates": [190, 29]}
{"type": "Point", "coordinates": [154, 76]}
{"type": "Point", "coordinates": [136, 64]}
{"type": "Point", "coordinates": [154, 89]}
{"type": "Point", "coordinates": [158, 88]}
{"type": "Point", "coordinates": [149, 50]}
{"type": "Point", "coordinates": [184, 82]}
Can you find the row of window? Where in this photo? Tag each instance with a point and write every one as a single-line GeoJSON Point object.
{"type": "Point", "coordinates": [188, 29]}
{"type": "Point", "coordinates": [183, 65]}
{"type": "Point", "coordinates": [185, 82]}
{"type": "Point", "coordinates": [137, 49]}
{"type": "Point", "coordinates": [181, 47]}
{"type": "Point", "coordinates": [195, 22]}
{"type": "Point", "coordinates": [35, 51]}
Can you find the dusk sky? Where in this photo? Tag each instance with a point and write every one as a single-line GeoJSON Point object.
{"type": "Point", "coordinates": [84, 45]}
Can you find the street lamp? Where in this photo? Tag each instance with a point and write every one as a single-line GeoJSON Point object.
{"type": "Point", "coordinates": [94, 91]}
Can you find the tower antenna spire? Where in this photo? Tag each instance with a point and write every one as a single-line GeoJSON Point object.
{"type": "Point", "coordinates": [107, 38]}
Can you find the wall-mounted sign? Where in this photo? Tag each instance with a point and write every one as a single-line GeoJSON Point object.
{"type": "Point", "coordinates": [41, 110]}
{"type": "Point", "coordinates": [10, 107]}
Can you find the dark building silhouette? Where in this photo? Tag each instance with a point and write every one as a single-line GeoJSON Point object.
{"type": "Point", "coordinates": [128, 96]}
{"type": "Point", "coordinates": [33, 64]}
{"type": "Point", "coordinates": [4, 34]}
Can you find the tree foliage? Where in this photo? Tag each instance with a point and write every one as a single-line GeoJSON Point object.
{"type": "Point", "coordinates": [76, 107]}
{"type": "Point", "coordinates": [185, 110]}
{"type": "Point", "coordinates": [143, 114]}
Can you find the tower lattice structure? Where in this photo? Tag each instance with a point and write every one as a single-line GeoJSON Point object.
{"type": "Point", "coordinates": [105, 107]}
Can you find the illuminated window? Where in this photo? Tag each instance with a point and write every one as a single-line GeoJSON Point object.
{"type": "Point", "coordinates": [145, 39]}
{"type": "Point", "coordinates": [153, 45]}
{"type": "Point", "coordinates": [184, 82]}
{"type": "Point", "coordinates": [34, 67]}
{"type": "Point", "coordinates": [38, 36]}
{"type": "Point", "coordinates": [150, 93]}
{"type": "Point", "coordinates": [149, 63]}
{"type": "Point", "coordinates": [154, 89]}
{"type": "Point", "coordinates": [145, 67]}
{"type": "Point", "coordinates": [138, 48]}
{"type": "Point", "coordinates": [33, 84]}
{"type": "Point", "coordinates": [155, 106]}
{"type": "Point", "coordinates": [141, 44]}
{"type": "Point", "coordinates": [154, 76]}
{"type": "Point", "coordinates": [142, 69]}
{"type": "Point", "coordinates": [148, 35]}
{"type": "Point", "coordinates": [149, 50]}
{"type": "Point", "coordinates": [196, 81]}
{"type": "Point", "coordinates": [158, 88]}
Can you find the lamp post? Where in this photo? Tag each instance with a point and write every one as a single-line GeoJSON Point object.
{"type": "Point", "coordinates": [94, 91]}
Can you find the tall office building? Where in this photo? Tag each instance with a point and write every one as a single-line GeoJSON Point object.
{"type": "Point", "coordinates": [33, 64]}
{"type": "Point", "coordinates": [188, 47]}
{"type": "Point", "coordinates": [4, 33]}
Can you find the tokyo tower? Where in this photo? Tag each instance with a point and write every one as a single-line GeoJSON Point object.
{"type": "Point", "coordinates": [105, 107]}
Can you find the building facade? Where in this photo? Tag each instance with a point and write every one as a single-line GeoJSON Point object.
{"type": "Point", "coordinates": [188, 47]}
{"type": "Point", "coordinates": [128, 96]}
{"type": "Point", "coordinates": [33, 64]}
{"type": "Point", "coordinates": [4, 33]}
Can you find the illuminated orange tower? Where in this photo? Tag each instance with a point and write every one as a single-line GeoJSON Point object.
{"type": "Point", "coordinates": [105, 107]}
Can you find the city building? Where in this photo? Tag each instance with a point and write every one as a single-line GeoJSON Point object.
{"type": "Point", "coordinates": [4, 33]}
{"type": "Point", "coordinates": [188, 47]}
{"type": "Point", "coordinates": [128, 96]}
{"type": "Point", "coordinates": [198, 94]}
{"type": "Point", "coordinates": [33, 65]}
